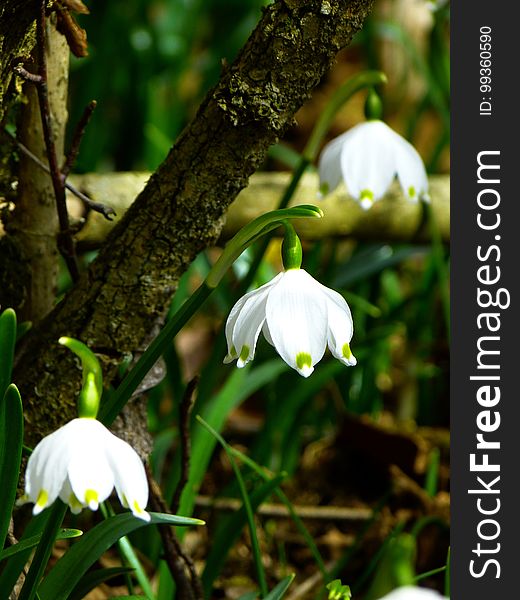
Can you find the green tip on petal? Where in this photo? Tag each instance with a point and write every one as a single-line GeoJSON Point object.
{"type": "Point", "coordinates": [74, 504]}
{"type": "Point", "coordinates": [324, 190]}
{"type": "Point", "coordinates": [139, 512]}
{"type": "Point", "coordinates": [348, 356]}
{"type": "Point", "coordinates": [41, 502]}
{"type": "Point", "coordinates": [411, 192]}
{"type": "Point", "coordinates": [231, 355]}
{"type": "Point", "coordinates": [304, 363]}
{"type": "Point", "coordinates": [92, 499]}
{"type": "Point", "coordinates": [244, 356]}
{"type": "Point", "coordinates": [366, 199]}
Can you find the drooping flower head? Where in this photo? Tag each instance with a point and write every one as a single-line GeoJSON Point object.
{"type": "Point", "coordinates": [297, 315]}
{"type": "Point", "coordinates": [81, 463]}
{"type": "Point", "coordinates": [368, 157]}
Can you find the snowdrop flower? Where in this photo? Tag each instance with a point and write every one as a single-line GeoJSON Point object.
{"type": "Point", "coordinates": [413, 593]}
{"type": "Point", "coordinates": [81, 463]}
{"type": "Point", "coordinates": [298, 316]}
{"type": "Point", "coordinates": [368, 157]}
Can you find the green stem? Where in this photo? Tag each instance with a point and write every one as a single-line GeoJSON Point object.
{"type": "Point", "coordinates": [43, 551]}
{"type": "Point", "coordinates": [341, 96]}
{"type": "Point", "coordinates": [120, 397]}
{"type": "Point", "coordinates": [291, 248]}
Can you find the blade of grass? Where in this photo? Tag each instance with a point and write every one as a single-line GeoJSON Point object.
{"type": "Point", "coordinates": [257, 556]}
{"type": "Point", "coordinates": [11, 439]}
{"type": "Point", "coordinates": [288, 504]}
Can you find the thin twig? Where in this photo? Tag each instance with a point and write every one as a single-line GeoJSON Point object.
{"type": "Point", "coordinates": [76, 139]}
{"type": "Point", "coordinates": [27, 75]}
{"type": "Point", "coordinates": [65, 239]}
{"type": "Point", "coordinates": [328, 513]}
{"type": "Point", "coordinates": [184, 429]}
{"type": "Point", "coordinates": [105, 210]}
{"type": "Point", "coordinates": [177, 561]}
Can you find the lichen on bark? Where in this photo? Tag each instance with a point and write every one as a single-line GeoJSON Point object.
{"type": "Point", "coordinates": [127, 289]}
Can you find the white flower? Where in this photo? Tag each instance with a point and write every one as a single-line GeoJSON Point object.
{"type": "Point", "coordinates": [368, 157]}
{"type": "Point", "coordinates": [298, 315]}
{"type": "Point", "coordinates": [81, 463]}
{"type": "Point", "coordinates": [413, 593]}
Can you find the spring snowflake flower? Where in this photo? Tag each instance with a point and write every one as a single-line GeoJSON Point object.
{"type": "Point", "coordinates": [413, 593]}
{"type": "Point", "coordinates": [81, 463]}
{"type": "Point", "coordinates": [298, 316]}
{"type": "Point", "coordinates": [368, 157]}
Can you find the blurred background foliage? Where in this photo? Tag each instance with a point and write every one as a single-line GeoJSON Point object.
{"type": "Point", "coordinates": [335, 438]}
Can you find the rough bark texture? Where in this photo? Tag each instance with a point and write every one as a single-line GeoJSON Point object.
{"type": "Point", "coordinates": [115, 305]}
{"type": "Point", "coordinates": [394, 218]}
{"type": "Point", "coordinates": [34, 224]}
{"type": "Point", "coordinates": [17, 39]}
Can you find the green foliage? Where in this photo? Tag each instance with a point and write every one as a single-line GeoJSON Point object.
{"type": "Point", "coordinates": [67, 572]}
{"type": "Point", "coordinates": [338, 591]}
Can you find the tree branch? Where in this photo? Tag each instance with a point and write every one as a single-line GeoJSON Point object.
{"type": "Point", "coordinates": [181, 211]}
{"type": "Point", "coordinates": [395, 218]}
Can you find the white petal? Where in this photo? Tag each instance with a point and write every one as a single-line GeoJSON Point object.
{"type": "Point", "coordinates": [89, 472]}
{"type": "Point", "coordinates": [329, 165]}
{"type": "Point", "coordinates": [413, 593]}
{"type": "Point", "coordinates": [267, 333]}
{"type": "Point", "coordinates": [241, 332]}
{"type": "Point", "coordinates": [410, 169]}
{"type": "Point", "coordinates": [368, 161]}
{"type": "Point", "coordinates": [248, 326]}
{"type": "Point", "coordinates": [129, 476]}
{"type": "Point", "coordinates": [233, 352]}
{"type": "Point", "coordinates": [340, 327]}
{"type": "Point", "coordinates": [47, 469]}
{"type": "Point", "coordinates": [296, 314]}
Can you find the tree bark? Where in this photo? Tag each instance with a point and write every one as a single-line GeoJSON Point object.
{"type": "Point", "coordinates": [126, 291]}
{"type": "Point", "coordinates": [33, 226]}
{"type": "Point", "coordinates": [17, 39]}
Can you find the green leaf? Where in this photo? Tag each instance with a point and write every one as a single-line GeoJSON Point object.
{"type": "Point", "coordinates": [67, 572]}
{"type": "Point", "coordinates": [91, 580]}
{"type": "Point", "coordinates": [11, 439]}
{"type": "Point", "coordinates": [7, 342]}
{"type": "Point", "coordinates": [31, 542]}
{"type": "Point", "coordinates": [338, 591]}
{"type": "Point", "coordinates": [12, 569]}
{"type": "Point", "coordinates": [279, 591]}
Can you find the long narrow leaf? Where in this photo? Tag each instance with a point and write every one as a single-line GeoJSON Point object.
{"type": "Point", "coordinates": [11, 439]}
{"type": "Point", "coordinates": [279, 591]}
{"type": "Point", "coordinates": [67, 572]}
{"type": "Point", "coordinates": [7, 342]}
{"type": "Point", "coordinates": [14, 566]}
{"type": "Point", "coordinates": [31, 542]}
